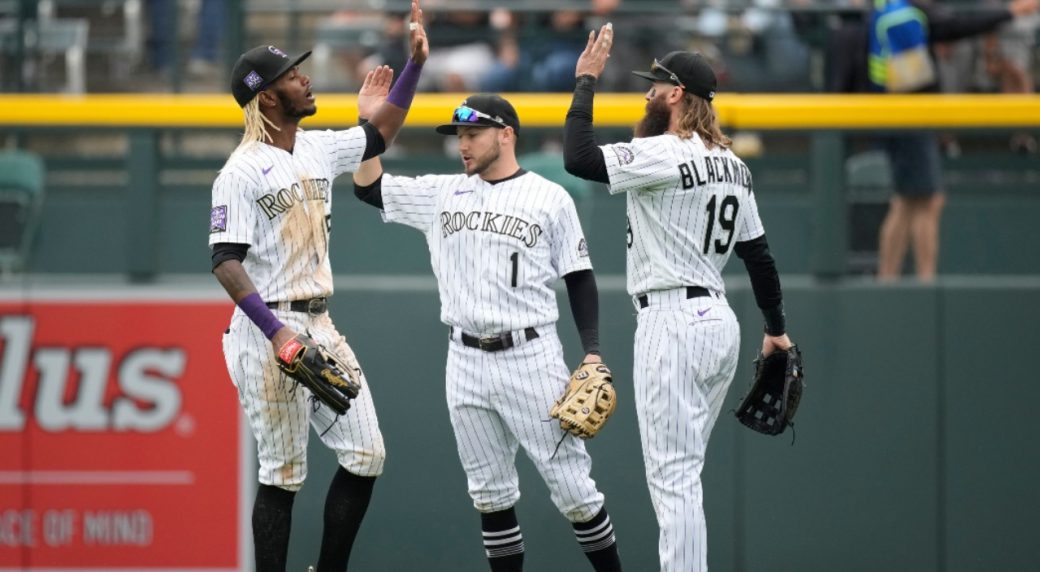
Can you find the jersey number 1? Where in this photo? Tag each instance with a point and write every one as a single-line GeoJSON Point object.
{"type": "Point", "coordinates": [515, 257]}
{"type": "Point", "coordinates": [726, 213]}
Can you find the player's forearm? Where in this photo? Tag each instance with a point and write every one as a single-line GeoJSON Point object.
{"type": "Point", "coordinates": [765, 282]}
{"type": "Point", "coordinates": [369, 172]}
{"type": "Point", "coordinates": [581, 157]}
{"type": "Point", "coordinates": [371, 193]}
{"type": "Point", "coordinates": [584, 298]}
{"type": "Point", "coordinates": [390, 116]}
{"type": "Point", "coordinates": [235, 280]}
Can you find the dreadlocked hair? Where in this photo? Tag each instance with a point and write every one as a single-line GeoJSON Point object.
{"type": "Point", "coordinates": [699, 117]}
{"type": "Point", "coordinates": [256, 125]}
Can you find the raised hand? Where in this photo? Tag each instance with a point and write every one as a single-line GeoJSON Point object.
{"type": "Point", "coordinates": [597, 50]}
{"type": "Point", "coordinates": [420, 48]}
{"type": "Point", "coordinates": [373, 91]}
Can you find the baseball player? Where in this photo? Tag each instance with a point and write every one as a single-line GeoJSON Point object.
{"type": "Point", "coordinates": [690, 205]}
{"type": "Point", "coordinates": [499, 236]}
{"type": "Point", "coordinates": [269, 229]}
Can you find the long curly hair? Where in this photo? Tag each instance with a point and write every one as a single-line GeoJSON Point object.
{"type": "Point", "coordinates": [699, 117]}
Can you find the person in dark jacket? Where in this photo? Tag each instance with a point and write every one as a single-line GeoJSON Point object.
{"type": "Point", "coordinates": [916, 208]}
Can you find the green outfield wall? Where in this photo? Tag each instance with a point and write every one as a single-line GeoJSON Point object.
{"type": "Point", "coordinates": [913, 449]}
{"type": "Point", "coordinates": [93, 230]}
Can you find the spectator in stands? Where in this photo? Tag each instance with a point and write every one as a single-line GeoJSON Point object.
{"type": "Point", "coordinates": [206, 54]}
{"type": "Point", "coordinates": [916, 208]}
{"type": "Point", "coordinates": [461, 50]}
{"type": "Point", "coordinates": [392, 48]}
{"type": "Point", "coordinates": [1008, 57]}
{"type": "Point", "coordinates": [209, 30]}
{"type": "Point", "coordinates": [542, 62]}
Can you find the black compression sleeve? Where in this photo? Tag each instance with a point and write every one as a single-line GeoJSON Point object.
{"type": "Point", "coordinates": [581, 157]}
{"type": "Point", "coordinates": [224, 251]}
{"type": "Point", "coordinates": [371, 194]}
{"type": "Point", "coordinates": [374, 142]}
{"type": "Point", "coordinates": [765, 282]}
{"type": "Point", "coordinates": [584, 297]}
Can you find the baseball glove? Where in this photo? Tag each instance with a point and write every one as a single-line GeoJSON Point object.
{"type": "Point", "coordinates": [776, 389]}
{"type": "Point", "coordinates": [330, 380]}
{"type": "Point", "coordinates": [588, 401]}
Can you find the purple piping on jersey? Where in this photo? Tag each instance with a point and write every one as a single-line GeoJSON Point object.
{"type": "Point", "coordinates": [254, 307]}
{"type": "Point", "coordinates": [404, 90]}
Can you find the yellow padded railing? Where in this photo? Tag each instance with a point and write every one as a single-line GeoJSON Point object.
{"type": "Point", "coordinates": [743, 111]}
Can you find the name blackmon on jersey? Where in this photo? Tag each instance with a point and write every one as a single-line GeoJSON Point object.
{"type": "Point", "coordinates": [716, 170]}
{"type": "Point", "coordinates": [687, 208]}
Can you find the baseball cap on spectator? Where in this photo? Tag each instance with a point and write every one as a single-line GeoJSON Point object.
{"type": "Point", "coordinates": [482, 110]}
{"type": "Point", "coordinates": [259, 68]}
{"type": "Point", "coordinates": [688, 70]}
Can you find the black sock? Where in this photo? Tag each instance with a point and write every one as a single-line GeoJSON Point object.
{"type": "Point", "coordinates": [596, 538]}
{"type": "Point", "coordinates": [503, 543]}
{"type": "Point", "coordinates": [345, 507]}
{"type": "Point", "coordinates": [272, 519]}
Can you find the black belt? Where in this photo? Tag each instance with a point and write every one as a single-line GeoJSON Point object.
{"type": "Point", "coordinates": [313, 306]}
{"type": "Point", "coordinates": [496, 342]}
{"type": "Point", "coordinates": [691, 292]}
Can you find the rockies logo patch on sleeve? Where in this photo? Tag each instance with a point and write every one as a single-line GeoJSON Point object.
{"type": "Point", "coordinates": [625, 154]}
{"type": "Point", "coordinates": [218, 219]}
{"type": "Point", "coordinates": [583, 248]}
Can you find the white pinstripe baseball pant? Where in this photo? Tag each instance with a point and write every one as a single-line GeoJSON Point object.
{"type": "Point", "coordinates": [499, 401]}
{"type": "Point", "coordinates": [686, 353]}
{"type": "Point", "coordinates": [280, 418]}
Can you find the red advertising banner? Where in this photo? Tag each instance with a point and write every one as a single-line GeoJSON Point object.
{"type": "Point", "coordinates": [120, 437]}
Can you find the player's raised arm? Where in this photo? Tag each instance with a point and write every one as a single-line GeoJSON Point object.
{"type": "Point", "coordinates": [389, 117]}
{"type": "Point", "coordinates": [373, 92]}
{"type": "Point", "coordinates": [581, 157]}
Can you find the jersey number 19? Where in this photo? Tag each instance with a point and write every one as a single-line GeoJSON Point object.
{"type": "Point", "coordinates": [726, 213]}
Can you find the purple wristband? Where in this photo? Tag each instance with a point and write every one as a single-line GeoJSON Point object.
{"type": "Point", "coordinates": [403, 91]}
{"type": "Point", "coordinates": [254, 307]}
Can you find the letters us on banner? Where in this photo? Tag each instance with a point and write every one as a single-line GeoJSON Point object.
{"type": "Point", "coordinates": [120, 441]}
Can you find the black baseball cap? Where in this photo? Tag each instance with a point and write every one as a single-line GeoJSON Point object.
{"type": "Point", "coordinates": [259, 68]}
{"type": "Point", "coordinates": [690, 70]}
{"type": "Point", "coordinates": [482, 110]}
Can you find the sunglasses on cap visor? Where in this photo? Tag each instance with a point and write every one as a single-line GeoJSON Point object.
{"type": "Point", "coordinates": [656, 66]}
{"type": "Point", "coordinates": [465, 114]}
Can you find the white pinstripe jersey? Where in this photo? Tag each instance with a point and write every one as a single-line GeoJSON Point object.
{"type": "Point", "coordinates": [496, 249]}
{"type": "Point", "coordinates": [280, 204]}
{"type": "Point", "coordinates": [687, 207]}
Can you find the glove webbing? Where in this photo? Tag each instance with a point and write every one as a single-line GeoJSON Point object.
{"type": "Point", "coordinates": [565, 433]}
{"type": "Point", "coordinates": [313, 399]}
